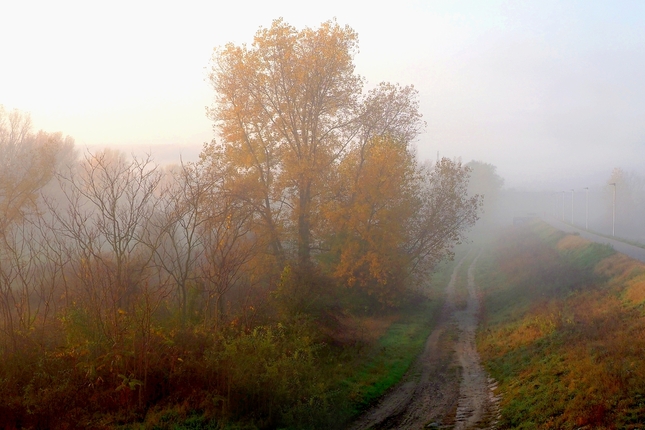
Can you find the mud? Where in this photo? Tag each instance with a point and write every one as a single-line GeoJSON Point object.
{"type": "Point", "coordinates": [447, 388]}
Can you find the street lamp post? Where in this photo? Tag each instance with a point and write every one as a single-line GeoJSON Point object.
{"type": "Point", "coordinates": [613, 212]}
{"type": "Point", "coordinates": [586, 208]}
{"type": "Point", "coordinates": [572, 206]}
{"type": "Point", "coordinates": [562, 206]}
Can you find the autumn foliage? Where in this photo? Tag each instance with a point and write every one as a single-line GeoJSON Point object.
{"type": "Point", "coordinates": [221, 291]}
{"type": "Point", "coordinates": [327, 171]}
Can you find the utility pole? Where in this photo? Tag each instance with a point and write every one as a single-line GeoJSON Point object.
{"type": "Point", "coordinates": [586, 208]}
{"type": "Point", "coordinates": [613, 212]}
{"type": "Point", "coordinates": [572, 206]}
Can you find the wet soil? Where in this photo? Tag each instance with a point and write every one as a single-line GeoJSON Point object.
{"type": "Point", "coordinates": [447, 388]}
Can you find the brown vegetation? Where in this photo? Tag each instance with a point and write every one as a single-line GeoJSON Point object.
{"type": "Point", "coordinates": [227, 288]}
{"type": "Point", "coordinates": [565, 349]}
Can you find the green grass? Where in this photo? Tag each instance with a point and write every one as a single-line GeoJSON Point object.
{"type": "Point", "coordinates": [392, 356]}
{"type": "Point", "coordinates": [386, 363]}
{"type": "Point", "coordinates": [558, 336]}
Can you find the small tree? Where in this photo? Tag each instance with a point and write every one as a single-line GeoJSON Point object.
{"type": "Point", "coordinates": [110, 204]}
{"type": "Point", "coordinates": [446, 212]}
{"type": "Point", "coordinates": [175, 236]}
{"type": "Point", "coordinates": [28, 161]}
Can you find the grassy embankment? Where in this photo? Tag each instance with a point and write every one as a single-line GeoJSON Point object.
{"type": "Point", "coordinates": [563, 331]}
{"type": "Point", "coordinates": [372, 374]}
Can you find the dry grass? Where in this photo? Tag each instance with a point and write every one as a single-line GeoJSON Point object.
{"type": "Point", "coordinates": [571, 242]}
{"type": "Point", "coordinates": [355, 330]}
{"type": "Point", "coordinates": [619, 267]}
{"type": "Point", "coordinates": [572, 358]}
{"type": "Point", "coordinates": [635, 291]}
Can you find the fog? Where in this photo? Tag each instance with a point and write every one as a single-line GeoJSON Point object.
{"type": "Point", "coordinates": [592, 208]}
{"type": "Point", "coordinates": [551, 92]}
{"type": "Point", "coordinates": [232, 205]}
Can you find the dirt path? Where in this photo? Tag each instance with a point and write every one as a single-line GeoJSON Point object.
{"type": "Point", "coordinates": [447, 387]}
{"type": "Point", "coordinates": [478, 406]}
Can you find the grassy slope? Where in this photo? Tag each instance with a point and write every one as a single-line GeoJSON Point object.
{"type": "Point", "coordinates": [564, 331]}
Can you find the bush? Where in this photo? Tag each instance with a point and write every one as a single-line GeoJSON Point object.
{"type": "Point", "coordinates": [271, 375]}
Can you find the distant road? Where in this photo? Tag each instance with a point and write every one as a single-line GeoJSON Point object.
{"type": "Point", "coordinates": [622, 247]}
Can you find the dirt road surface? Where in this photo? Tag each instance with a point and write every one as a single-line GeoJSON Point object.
{"type": "Point", "coordinates": [447, 388]}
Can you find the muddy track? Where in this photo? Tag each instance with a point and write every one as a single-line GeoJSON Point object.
{"type": "Point", "coordinates": [447, 386]}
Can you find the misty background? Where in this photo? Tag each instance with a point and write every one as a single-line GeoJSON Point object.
{"type": "Point", "coordinates": [550, 92]}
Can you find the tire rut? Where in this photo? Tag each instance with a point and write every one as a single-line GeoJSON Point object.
{"type": "Point", "coordinates": [478, 407]}
{"type": "Point", "coordinates": [447, 387]}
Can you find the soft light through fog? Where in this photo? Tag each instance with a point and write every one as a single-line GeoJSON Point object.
{"type": "Point", "coordinates": [550, 92]}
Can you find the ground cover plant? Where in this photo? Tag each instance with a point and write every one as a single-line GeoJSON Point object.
{"type": "Point", "coordinates": [394, 352]}
{"type": "Point", "coordinates": [282, 375]}
{"type": "Point", "coordinates": [563, 331]}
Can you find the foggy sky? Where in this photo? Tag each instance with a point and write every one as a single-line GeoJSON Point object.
{"type": "Point", "coordinates": [552, 93]}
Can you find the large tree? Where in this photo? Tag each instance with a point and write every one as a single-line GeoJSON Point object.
{"type": "Point", "coordinates": [394, 219]}
{"type": "Point", "coordinates": [288, 109]}
{"type": "Point", "coordinates": [375, 197]}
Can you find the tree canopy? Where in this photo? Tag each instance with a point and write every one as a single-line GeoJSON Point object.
{"type": "Point", "coordinates": [327, 169]}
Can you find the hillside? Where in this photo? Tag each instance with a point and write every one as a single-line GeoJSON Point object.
{"type": "Point", "coordinates": [563, 331]}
